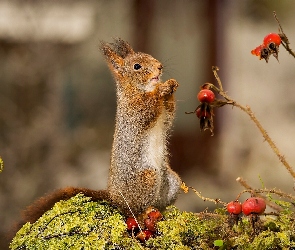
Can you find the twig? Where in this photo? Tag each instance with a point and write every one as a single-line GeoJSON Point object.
{"type": "Point", "coordinates": [216, 201]}
{"type": "Point", "coordinates": [285, 40]}
{"type": "Point", "coordinates": [256, 193]}
{"type": "Point", "coordinates": [71, 233]}
{"type": "Point", "coordinates": [277, 192]}
{"type": "Point", "coordinates": [249, 112]}
{"type": "Point", "coordinates": [42, 229]}
{"type": "Point", "coordinates": [265, 190]}
{"type": "Point", "coordinates": [215, 69]}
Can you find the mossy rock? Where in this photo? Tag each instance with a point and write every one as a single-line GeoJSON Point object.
{"type": "Point", "coordinates": [80, 223]}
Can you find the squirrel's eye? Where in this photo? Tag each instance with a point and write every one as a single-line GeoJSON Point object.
{"type": "Point", "coordinates": [136, 66]}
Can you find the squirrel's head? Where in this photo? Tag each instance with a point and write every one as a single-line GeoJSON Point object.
{"type": "Point", "coordinates": [138, 70]}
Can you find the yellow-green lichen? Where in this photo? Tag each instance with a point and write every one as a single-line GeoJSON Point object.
{"type": "Point", "coordinates": [77, 223]}
{"type": "Point", "coordinates": [80, 223]}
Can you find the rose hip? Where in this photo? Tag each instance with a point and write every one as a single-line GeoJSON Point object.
{"type": "Point", "coordinates": [254, 205]}
{"type": "Point", "coordinates": [234, 207]}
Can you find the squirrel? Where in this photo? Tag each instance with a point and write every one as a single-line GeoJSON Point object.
{"type": "Point", "coordinates": [140, 176]}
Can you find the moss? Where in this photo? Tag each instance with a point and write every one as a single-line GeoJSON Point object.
{"type": "Point", "coordinates": [184, 230]}
{"type": "Point", "coordinates": [77, 223]}
{"type": "Point", "coordinates": [80, 223]}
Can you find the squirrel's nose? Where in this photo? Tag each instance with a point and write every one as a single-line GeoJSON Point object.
{"type": "Point", "coordinates": [160, 67]}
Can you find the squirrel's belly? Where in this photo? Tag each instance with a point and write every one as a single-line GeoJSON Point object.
{"type": "Point", "coordinates": [154, 150]}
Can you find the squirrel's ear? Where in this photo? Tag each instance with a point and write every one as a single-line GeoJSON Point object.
{"type": "Point", "coordinates": [122, 48]}
{"type": "Point", "coordinates": [114, 60]}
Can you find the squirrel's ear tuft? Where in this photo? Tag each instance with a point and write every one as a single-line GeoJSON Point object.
{"type": "Point", "coordinates": [122, 48]}
{"type": "Point", "coordinates": [114, 60]}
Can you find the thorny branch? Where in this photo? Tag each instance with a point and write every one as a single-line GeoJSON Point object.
{"type": "Point", "coordinates": [249, 189]}
{"type": "Point", "coordinates": [216, 201]}
{"type": "Point", "coordinates": [219, 103]}
{"type": "Point", "coordinates": [257, 192]}
{"type": "Point", "coordinates": [285, 40]}
{"type": "Point", "coordinates": [249, 112]}
{"type": "Point", "coordinates": [264, 190]}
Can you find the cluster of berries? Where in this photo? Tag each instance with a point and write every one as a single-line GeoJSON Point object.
{"type": "Point", "coordinates": [270, 46]}
{"type": "Point", "coordinates": [205, 110]}
{"type": "Point", "coordinates": [151, 217]}
{"type": "Point", "coordinates": [252, 207]}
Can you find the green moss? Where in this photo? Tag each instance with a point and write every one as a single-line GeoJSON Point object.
{"type": "Point", "coordinates": [80, 223]}
{"type": "Point", "coordinates": [77, 223]}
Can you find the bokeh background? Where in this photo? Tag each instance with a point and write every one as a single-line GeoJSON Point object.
{"type": "Point", "coordinates": [57, 97]}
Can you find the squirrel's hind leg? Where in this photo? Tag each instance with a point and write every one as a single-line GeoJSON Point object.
{"type": "Point", "coordinates": [171, 187]}
{"type": "Point", "coordinates": [142, 192]}
{"type": "Point", "coordinates": [174, 185]}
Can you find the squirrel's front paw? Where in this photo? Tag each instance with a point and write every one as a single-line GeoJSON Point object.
{"type": "Point", "coordinates": [168, 87]}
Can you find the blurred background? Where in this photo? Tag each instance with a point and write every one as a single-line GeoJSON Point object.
{"type": "Point", "coordinates": [57, 96]}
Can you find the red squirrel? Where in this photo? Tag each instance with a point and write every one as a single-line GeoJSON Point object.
{"type": "Point", "coordinates": [139, 175]}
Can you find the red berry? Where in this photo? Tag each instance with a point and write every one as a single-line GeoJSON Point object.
{"type": "Point", "coordinates": [206, 95]}
{"type": "Point", "coordinates": [155, 215]}
{"type": "Point", "coordinates": [148, 234]}
{"type": "Point", "coordinates": [254, 205]}
{"type": "Point", "coordinates": [144, 235]}
{"type": "Point", "coordinates": [272, 38]}
{"type": "Point", "coordinates": [131, 223]}
{"type": "Point", "coordinates": [150, 224]}
{"type": "Point", "coordinates": [234, 207]}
